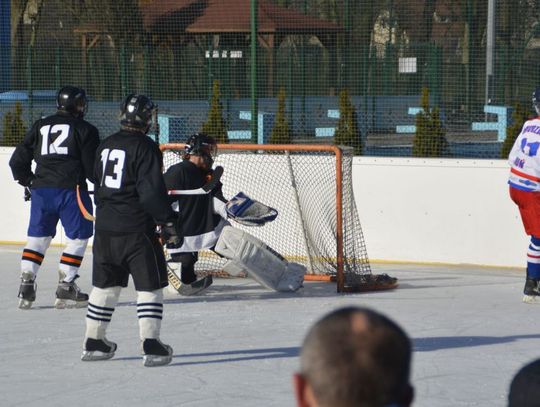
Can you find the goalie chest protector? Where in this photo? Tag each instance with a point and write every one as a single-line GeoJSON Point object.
{"type": "Point", "coordinates": [196, 212]}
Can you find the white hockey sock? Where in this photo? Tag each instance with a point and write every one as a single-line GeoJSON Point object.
{"type": "Point", "coordinates": [34, 253]}
{"type": "Point", "coordinates": [100, 310]}
{"type": "Point", "coordinates": [72, 257]}
{"type": "Point", "coordinates": [149, 312]}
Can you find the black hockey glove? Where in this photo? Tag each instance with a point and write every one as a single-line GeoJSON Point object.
{"type": "Point", "coordinates": [171, 235]}
{"type": "Point", "coordinates": [27, 184]}
{"type": "Point", "coordinates": [27, 181]}
{"type": "Point", "coordinates": [27, 194]}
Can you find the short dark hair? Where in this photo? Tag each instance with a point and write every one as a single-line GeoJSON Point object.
{"type": "Point", "coordinates": [525, 386]}
{"type": "Point", "coordinates": [355, 356]}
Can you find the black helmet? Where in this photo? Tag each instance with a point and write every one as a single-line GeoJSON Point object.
{"type": "Point", "coordinates": [136, 112]}
{"type": "Point", "coordinates": [203, 145]}
{"type": "Point", "coordinates": [536, 100]}
{"type": "Point", "coordinates": [73, 100]}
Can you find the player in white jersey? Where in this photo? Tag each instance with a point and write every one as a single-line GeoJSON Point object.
{"type": "Point", "coordinates": [524, 182]}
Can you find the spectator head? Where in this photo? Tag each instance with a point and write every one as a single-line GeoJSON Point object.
{"type": "Point", "coordinates": [525, 386]}
{"type": "Point", "coordinates": [354, 357]}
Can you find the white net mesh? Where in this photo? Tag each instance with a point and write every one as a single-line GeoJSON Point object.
{"type": "Point", "coordinates": [301, 185]}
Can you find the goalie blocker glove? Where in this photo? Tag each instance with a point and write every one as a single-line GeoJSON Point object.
{"type": "Point", "coordinates": [249, 212]}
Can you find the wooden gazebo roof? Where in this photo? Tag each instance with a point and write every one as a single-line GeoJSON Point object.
{"type": "Point", "coordinates": [231, 16]}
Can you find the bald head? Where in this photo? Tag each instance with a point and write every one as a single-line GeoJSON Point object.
{"type": "Point", "coordinates": [357, 357]}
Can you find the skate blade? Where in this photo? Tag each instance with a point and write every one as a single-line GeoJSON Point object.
{"type": "Point", "coordinates": [25, 304]}
{"type": "Point", "coordinates": [90, 356]}
{"type": "Point", "coordinates": [63, 304]}
{"type": "Point", "coordinates": [531, 299]}
{"type": "Point", "coordinates": [155, 360]}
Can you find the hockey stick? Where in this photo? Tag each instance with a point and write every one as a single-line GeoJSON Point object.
{"type": "Point", "coordinates": [187, 289]}
{"type": "Point", "coordinates": [173, 278]}
{"type": "Point", "coordinates": [86, 215]}
{"type": "Point", "coordinates": [205, 189]}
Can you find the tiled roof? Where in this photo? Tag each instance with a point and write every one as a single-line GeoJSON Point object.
{"type": "Point", "coordinates": [221, 16]}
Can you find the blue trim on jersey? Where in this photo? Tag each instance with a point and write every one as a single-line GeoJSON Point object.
{"type": "Point", "coordinates": [520, 187]}
{"type": "Point", "coordinates": [49, 205]}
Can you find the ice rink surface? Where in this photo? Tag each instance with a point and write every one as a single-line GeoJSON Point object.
{"type": "Point", "coordinates": [238, 344]}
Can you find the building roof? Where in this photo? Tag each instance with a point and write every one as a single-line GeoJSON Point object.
{"type": "Point", "coordinates": [231, 16]}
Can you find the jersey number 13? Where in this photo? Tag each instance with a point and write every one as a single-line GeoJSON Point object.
{"type": "Point", "coordinates": [112, 161]}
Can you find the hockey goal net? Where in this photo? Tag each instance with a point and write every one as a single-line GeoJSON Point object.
{"type": "Point", "coordinates": [311, 187]}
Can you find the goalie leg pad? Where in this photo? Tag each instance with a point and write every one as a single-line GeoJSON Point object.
{"type": "Point", "coordinates": [233, 268]}
{"type": "Point", "coordinates": [293, 279]}
{"type": "Point", "coordinates": [262, 263]}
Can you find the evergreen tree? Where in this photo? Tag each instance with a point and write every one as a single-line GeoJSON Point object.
{"type": "Point", "coordinates": [215, 125]}
{"type": "Point", "coordinates": [519, 117]}
{"type": "Point", "coordinates": [347, 133]}
{"type": "Point", "coordinates": [13, 127]}
{"type": "Point", "coordinates": [280, 131]}
{"type": "Point", "coordinates": [430, 137]}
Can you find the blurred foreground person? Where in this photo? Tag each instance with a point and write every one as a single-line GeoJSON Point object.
{"type": "Point", "coordinates": [354, 357]}
{"type": "Point", "coordinates": [525, 386]}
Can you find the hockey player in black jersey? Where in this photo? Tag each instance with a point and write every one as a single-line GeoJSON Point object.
{"type": "Point", "coordinates": [204, 218]}
{"type": "Point", "coordinates": [63, 147]}
{"type": "Point", "coordinates": [131, 200]}
{"type": "Point", "coordinates": [201, 225]}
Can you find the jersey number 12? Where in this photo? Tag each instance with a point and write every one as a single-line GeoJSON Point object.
{"type": "Point", "coordinates": [61, 131]}
{"type": "Point", "coordinates": [116, 159]}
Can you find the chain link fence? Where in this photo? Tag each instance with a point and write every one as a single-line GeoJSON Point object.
{"type": "Point", "coordinates": [387, 77]}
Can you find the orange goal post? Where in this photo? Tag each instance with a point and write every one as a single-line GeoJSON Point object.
{"type": "Point", "coordinates": [311, 187]}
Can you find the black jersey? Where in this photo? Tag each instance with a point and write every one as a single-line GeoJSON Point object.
{"type": "Point", "coordinates": [196, 212]}
{"type": "Point", "coordinates": [130, 194]}
{"type": "Point", "coordinates": [63, 148]}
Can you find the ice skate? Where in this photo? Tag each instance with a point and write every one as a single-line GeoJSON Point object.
{"type": "Point", "coordinates": [531, 291]}
{"type": "Point", "coordinates": [27, 290]}
{"type": "Point", "coordinates": [196, 287]}
{"type": "Point", "coordinates": [98, 349]}
{"type": "Point", "coordinates": [69, 295]}
{"type": "Point", "coordinates": [156, 353]}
